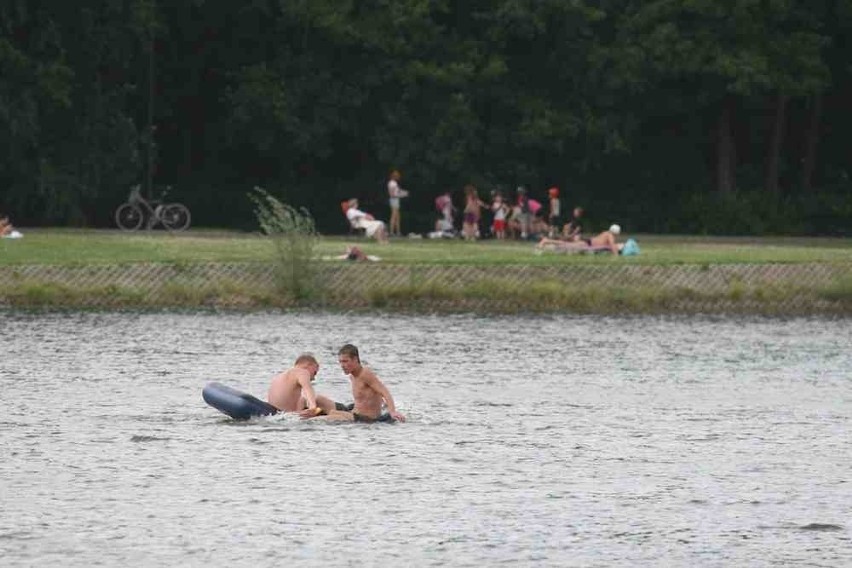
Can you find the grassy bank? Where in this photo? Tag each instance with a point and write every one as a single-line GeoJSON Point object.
{"type": "Point", "coordinates": [89, 247]}
{"type": "Point", "coordinates": [491, 295]}
{"type": "Point", "coordinates": [108, 269]}
{"type": "Point", "coordinates": [744, 288]}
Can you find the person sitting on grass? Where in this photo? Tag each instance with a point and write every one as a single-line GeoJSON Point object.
{"type": "Point", "coordinates": [603, 241]}
{"type": "Point", "coordinates": [573, 228]}
{"type": "Point", "coordinates": [7, 230]}
{"type": "Point", "coordinates": [361, 220]}
{"type": "Point", "coordinates": [444, 226]}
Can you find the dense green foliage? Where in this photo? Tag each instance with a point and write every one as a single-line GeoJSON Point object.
{"type": "Point", "coordinates": [709, 116]}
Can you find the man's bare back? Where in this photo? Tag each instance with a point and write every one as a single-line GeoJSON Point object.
{"type": "Point", "coordinates": [291, 390]}
{"type": "Point", "coordinates": [607, 239]}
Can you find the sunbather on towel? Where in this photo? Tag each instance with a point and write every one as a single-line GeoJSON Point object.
{"type": "Point", "coordinates": [601, 241]}
{"type": "Point", "coordinates": [356, 254]}
{"type": "Point", "coordinates": [606, 239]}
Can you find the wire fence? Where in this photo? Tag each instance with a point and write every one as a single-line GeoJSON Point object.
{"type": "Point", "coordinates": [738, 288]}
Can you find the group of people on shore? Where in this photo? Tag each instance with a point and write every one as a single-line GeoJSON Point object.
{"type": "Point", "coordinates": [292, 391]}
{"type": "Point", "coordinates": [521, 218]}
{"type": "Point", "coordinates": [524, 218]}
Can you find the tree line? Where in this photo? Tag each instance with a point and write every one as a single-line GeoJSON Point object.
{"type": "Point", "coordinates": [703, 116]}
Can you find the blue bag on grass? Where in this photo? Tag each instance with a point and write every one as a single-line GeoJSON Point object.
{"type": "Point", "coordinates": [630, 248]}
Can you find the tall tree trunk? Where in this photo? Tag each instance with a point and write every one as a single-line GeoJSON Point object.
{"type": "Point", "coordinates": [776, 140]}
{"type": "Point", "coordinates": [725, 148]}
{"type": "Point", "coordinates": [811, 142]}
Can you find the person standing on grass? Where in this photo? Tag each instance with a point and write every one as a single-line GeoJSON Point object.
{"type": "Point", "coordinates": [500, 210]}
{"type": "Point", "coordinates": [521, 217]}
{"type": "Point", "coordinates": [395, 193]}
{"type": "Point", "coordinates": [554, 216]}
{"type": "Point", "coordinates": [472, 204]}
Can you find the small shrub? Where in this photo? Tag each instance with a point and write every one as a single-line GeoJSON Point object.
{"type": "Point", "coordinates": [294, 237]}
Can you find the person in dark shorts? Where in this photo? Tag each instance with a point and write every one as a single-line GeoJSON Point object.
{"type": "Point", "coordinates": [368, 393]}
{"type": "Point", "coordinates": [554, 215]}
{"type": "Point", "coordinates": [573, 228]}
{"type": "Point", "coordinates": [384, 417]}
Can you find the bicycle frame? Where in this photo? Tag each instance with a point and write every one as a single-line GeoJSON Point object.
{"type": "Point", "coordinates": [152, 208]}
{"type": "Point", "coordinates": [156, 211]}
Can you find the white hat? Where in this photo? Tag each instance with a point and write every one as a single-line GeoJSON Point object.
{"type": "Point", "coordinates": [615, 229]}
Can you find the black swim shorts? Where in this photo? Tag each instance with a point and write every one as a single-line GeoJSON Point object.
{"type": "Point", "coordinates": [344, 407]}
{"type": "Point", "coordinates": [380, 418]}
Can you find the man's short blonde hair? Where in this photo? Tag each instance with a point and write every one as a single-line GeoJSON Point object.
{"type": "Point", "coordinates": [306, 358]}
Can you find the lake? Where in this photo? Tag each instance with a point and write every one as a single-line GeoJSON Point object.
{"type": "Point", "coordinates": [531, 441]}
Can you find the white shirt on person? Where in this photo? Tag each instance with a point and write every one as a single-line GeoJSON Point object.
{"type": "Point", "coordinates": [354, 214]}
{"type": "Point", "coordinates": [499, 211]}
{"type": "Point", "coordinates": [393, 188]}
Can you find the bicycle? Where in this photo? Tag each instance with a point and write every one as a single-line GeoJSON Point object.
{"type": "Point", "coordinates": [130, 216]}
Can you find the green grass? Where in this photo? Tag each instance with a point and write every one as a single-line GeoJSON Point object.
{"type": "Point", "coordinates": [80, 247]}
{"type": "Point", "coordinates": [840, 291]}
{"type": "Point", "coordinates": [507, 296]}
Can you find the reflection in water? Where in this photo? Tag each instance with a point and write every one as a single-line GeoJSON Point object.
{"type": "Point", "coordinates": [533, 441]}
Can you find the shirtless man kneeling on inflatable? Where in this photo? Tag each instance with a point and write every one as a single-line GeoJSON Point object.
{"type": "Point", "coordinates": [368, 392]}
{"type": "Point", "coordinates": [292, 390]}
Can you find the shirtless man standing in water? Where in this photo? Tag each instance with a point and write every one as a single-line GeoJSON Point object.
{"type": "Point", "coordinates": [368, 392]}
{"type": "Point", "coordinates": [292, 390]}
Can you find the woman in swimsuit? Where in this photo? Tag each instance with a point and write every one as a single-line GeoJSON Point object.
{"type": "Point", "coordinates": [601, 241]}
{"type": "Point", "coordinates": [472, 204]}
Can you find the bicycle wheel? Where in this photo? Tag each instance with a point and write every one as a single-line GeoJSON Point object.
{"type": "Point", "coordinates": [128, 217]}
{"type": "Point", "coordinates": [175, 217]}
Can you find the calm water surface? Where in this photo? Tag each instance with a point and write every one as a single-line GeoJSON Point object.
{"type": "Point", "coordinates": [565, 441]}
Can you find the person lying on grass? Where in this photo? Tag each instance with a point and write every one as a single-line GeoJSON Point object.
{"type": "Point", "coordinates": [356, 254]}
{"type": "Point", "coordinates": [601, 241]}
